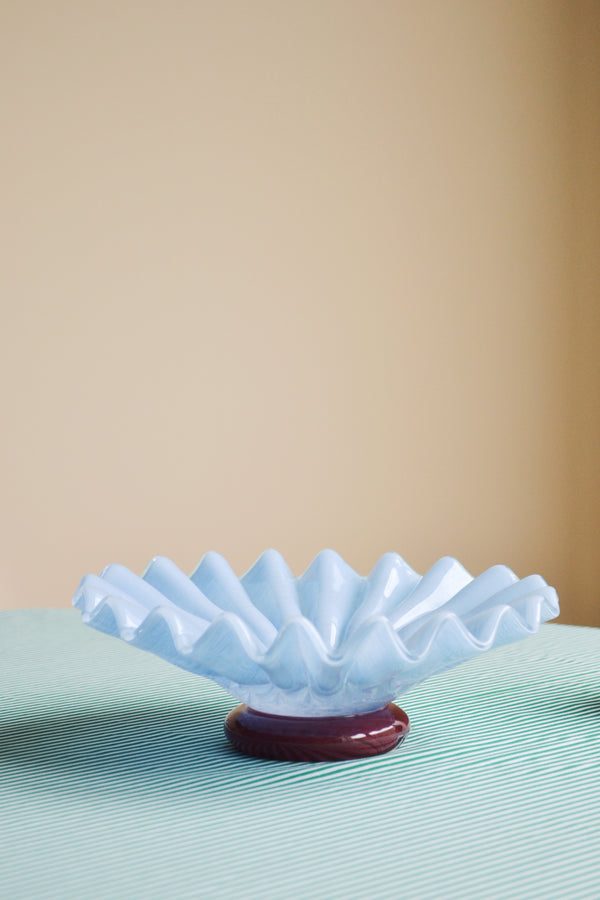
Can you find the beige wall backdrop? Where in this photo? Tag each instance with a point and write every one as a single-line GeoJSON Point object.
{"type": "Point", "coordinates": [298, 275]}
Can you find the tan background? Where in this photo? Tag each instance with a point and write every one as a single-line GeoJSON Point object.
{"type": "Point", "coordinates": [299, 275]}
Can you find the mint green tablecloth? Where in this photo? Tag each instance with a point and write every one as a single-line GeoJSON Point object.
{"type": "Point", "coordinates": [116, 782]}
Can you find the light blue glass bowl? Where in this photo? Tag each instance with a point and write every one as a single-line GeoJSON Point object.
{"type": "Point", "coordinates": [329, 643]}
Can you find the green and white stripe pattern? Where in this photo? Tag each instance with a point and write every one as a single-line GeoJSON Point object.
{"type": "Point", "coordinates": [116, 781]}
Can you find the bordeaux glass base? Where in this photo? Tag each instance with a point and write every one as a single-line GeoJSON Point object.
{"type": "Point", "coordinates": [326, 739]}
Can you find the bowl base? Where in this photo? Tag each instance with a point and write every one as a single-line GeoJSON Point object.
{"type": "Point", "coordinates": [326, 739]}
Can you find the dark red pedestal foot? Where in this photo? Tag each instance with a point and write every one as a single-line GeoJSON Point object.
{"type": "Point", "coordinates": [318, 739]}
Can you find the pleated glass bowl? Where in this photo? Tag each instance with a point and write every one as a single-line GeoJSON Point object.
{"type": "Point", "coordinates": [316, 659]}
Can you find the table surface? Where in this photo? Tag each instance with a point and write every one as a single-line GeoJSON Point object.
{"type": "Point", "coordinates": [116, 781]}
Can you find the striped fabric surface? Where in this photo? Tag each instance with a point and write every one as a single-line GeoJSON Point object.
{"type": "Point", "coordinates": [116, 781]}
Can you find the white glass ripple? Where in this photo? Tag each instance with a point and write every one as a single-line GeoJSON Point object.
{"type": "Point", "coordinates": [327, 643]}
